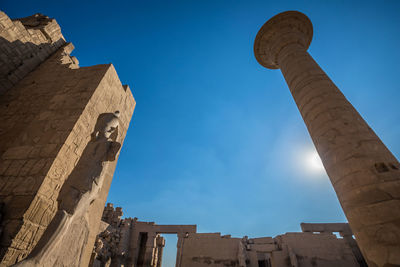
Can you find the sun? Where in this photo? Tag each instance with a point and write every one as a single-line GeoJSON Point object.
{"type": "Point", "coordinates": [313, 162]}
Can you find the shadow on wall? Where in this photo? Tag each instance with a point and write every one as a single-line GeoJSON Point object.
{"type": "Point", "coordinates": [47, 119]}
{"type": "Point", "coordinates": [66, 235]}
{"type": "Point", "coordinates": [19, 58]}
{"type": "Point", "coordinates": [24, 44]}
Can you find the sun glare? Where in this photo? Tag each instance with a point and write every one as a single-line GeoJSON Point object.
{"type": "Point", "coordinates": [314, 163]}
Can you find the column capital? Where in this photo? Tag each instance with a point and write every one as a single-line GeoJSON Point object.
{"type": "Point", "coordinates": [287, 28]}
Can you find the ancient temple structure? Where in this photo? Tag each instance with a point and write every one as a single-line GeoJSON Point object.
{"type": "Point", "coordinates": [363, 172]}
{"type": "Point", "coordinates": [63, 127]}
{"type": "Point", "coordinates": [129, 242]}
{"type": "Point", "coordinates": [62, 130]}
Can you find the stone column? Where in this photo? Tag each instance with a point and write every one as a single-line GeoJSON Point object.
{"type": "Point", "coordinates": [363, 172]}
{"type": "Point", "coordinates": [160, 247]}
{"type": "Point", "coordinates": [150, 249]}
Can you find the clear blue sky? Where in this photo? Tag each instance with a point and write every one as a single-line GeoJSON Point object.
{"type": "Point", "coordinates": [216, 140]}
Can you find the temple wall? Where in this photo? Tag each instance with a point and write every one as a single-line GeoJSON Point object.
{"type": "Point", "coordinates": [209, 249]}
{"type": "Point", "coordinates": [111, 96]}
{"type": "Point", "coordinates": [47, 119]}
{"type": "Point", "coordinates": [120, 243]}
{"type": "Point", "coordinates": [132, 243]}
{"type": "Point", "coordinates": [24, 44]}
{"type": "Point", "coordinates": [308, 250]}
{"type": "Point", "coordinates": [290, 249]}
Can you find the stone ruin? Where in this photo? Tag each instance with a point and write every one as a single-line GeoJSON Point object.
{"type": "Point", "coordinates": [64, 125]}
{"type": "Point", "coordinates": [62, 129]}
{"type": "Point", "coordinates": [129, 242]}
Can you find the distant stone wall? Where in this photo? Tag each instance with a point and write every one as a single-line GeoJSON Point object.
{"type": "Point", "coordinates": [209, 249]}
{"type": "Point", "coordinates": [112, 215]}
{"type": "Point", "coordinates": [131, 243]}
{"type": "Point", "coordinates": [288, 250]}
{"type": "Point", "coordinates": [47, 120]}
{"type": "Point", "coordinates": [309, 249]}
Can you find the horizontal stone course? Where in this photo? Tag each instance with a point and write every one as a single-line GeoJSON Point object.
{"type": "Point", "coordinates": [48, 116]}
{"type": "Point", "coordinates": [359, 165]}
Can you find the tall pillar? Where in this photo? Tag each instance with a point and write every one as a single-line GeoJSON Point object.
{"type": "Point", "coordinates": [363, 172]}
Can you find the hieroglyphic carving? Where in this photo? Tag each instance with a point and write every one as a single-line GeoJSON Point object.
{"type": "Point", "coordinates": [362, 170]}
{"type": "Point", "coordinates": [69, 227]}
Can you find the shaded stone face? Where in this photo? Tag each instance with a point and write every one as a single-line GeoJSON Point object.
{"type": "Point", "coordinates": [362, 170]}
{"type": "Point", "coordinates": [25, 43]}
{"type": "Point", "coordinates": [79, 190]}
{"type": "Point", "coordinates": [287, 28]}
{"type": "Point", "coordinates": [52, 134]}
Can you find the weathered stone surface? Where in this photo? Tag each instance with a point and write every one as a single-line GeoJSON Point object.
{"type": "Point", "coordinates": [129, 242]}
{"type": "Point", "coordinates": [48, 115]}
{"type": "Point", "coordinates": [290, 249]}
{"type": "Point", "coordinates": [362, 170]}
{"type": "Point", "coordinates": [25, 43]}
{"type": "Point", "coordinates": [69, 229]}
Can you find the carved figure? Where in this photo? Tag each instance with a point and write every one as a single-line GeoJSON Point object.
{"type": "Point", "coordinates": [78, 192]}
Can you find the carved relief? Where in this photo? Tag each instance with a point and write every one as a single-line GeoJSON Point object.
{"type": "Point", "coordinates": [62, 242]}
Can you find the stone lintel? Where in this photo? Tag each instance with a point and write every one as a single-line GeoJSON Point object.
{"type": "Point", "coordinates": [343, 228]}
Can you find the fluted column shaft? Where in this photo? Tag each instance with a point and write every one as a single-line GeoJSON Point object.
{"type": "Point", "coordinates": [363, 172]}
